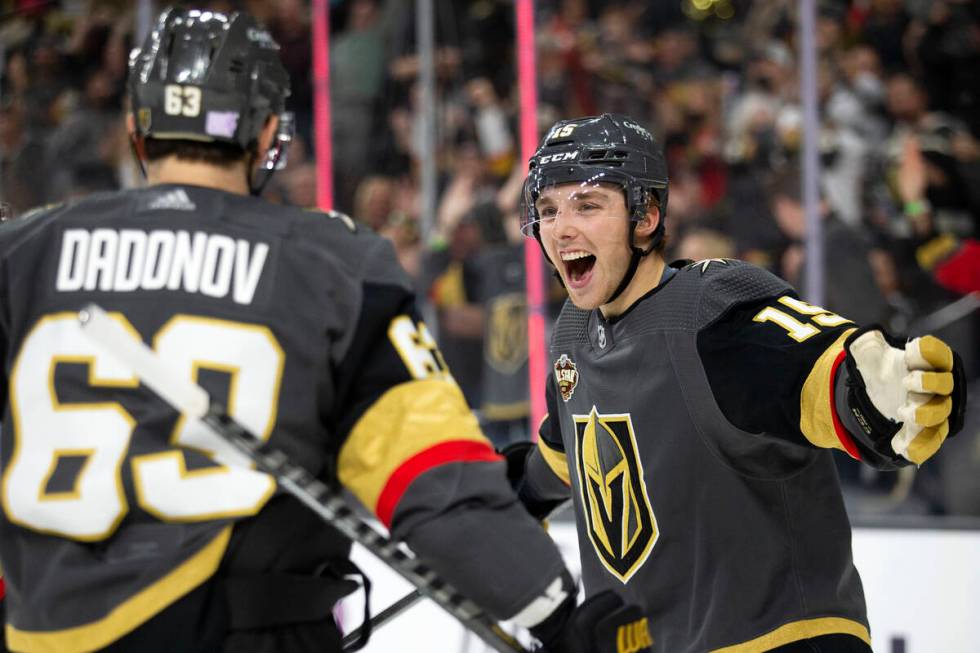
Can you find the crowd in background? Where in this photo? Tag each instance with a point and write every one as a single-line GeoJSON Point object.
{"type": "Point", "coordinates": [716, 80]}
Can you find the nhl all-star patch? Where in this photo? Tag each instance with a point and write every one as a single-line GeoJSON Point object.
{"type": "Point", "coordinates": [566, 376]}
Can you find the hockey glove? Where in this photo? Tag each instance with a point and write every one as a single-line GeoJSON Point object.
{"type": "Point", "coordinates": [516, 456]}
{"type": "Point", "coordinates": [603, 624]}
{"type": "Point", "coordinates": [906, 401]}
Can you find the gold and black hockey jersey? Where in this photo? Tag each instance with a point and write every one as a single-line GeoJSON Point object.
{"type": "Point", "coordinates": [693, 432]}
{"type": "Point", "coordinates": [115, 508]}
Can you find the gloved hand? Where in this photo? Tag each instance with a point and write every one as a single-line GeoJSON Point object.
{"type": "Point", "coordinates": [603, 624]}
{"type": "Point", "coordinates": [516, 456]}
{"type": "Point", "coordinates": [907, 401]}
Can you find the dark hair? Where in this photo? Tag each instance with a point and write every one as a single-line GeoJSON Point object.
{"type": "Point", "coordinates": [218, 154]}
{"type": "Point", "coordinates": [785, 184]}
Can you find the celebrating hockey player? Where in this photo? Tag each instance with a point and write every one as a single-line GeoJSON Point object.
{"type": "Point", "coordinates": [692, 407]}
{"type": "Point", "coordinates": [128, 527]}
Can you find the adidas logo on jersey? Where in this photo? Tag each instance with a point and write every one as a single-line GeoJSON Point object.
{"type": "Point", "coordinates": [176, 200]}
{"type": "Point", "coordinates": [126, 260]}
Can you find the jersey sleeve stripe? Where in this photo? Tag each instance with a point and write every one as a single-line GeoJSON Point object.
{"type": "Point", "coordinates": [131, 613]}
{"type": "Point", "coordinates": [556, 461]}
{"type": "Point", "coordinates": [455, 451]}
{"type": "Point", "coordinates": [408, 419]}
{"type": "Point", "coordinates": [845, 438]}
{"type": "Point", "coordinates": [818, 419]}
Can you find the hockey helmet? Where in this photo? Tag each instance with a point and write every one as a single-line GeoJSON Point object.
{"type": "Point", "coordinates": [609, 148]}
{"type": "Point", "coordinates": [209, 77]}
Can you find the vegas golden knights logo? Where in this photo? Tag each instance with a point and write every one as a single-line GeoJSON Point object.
{"type": "Point", "coordinates": [506, 342]}
{"type": "Point", "coordinates": [618, 515]}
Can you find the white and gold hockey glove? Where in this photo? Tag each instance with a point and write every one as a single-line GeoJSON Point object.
{"type": "Point", "coordinates": [905, 400]}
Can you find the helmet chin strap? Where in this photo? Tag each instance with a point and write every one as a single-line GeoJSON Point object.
{"type": "Point", "coordinates": [635, 257]}
{"type": "Point", "coordinates": [258, 179]}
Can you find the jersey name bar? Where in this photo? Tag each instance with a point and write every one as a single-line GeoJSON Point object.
{"type": "Point", "coordinates": [127, 260]}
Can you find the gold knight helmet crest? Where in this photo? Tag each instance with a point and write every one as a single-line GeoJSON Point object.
{"type": "Point", "coordinates": [566, 376]}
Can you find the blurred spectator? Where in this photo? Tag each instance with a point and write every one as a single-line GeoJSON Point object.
{"type": "Point", "coordinates": [21, 160]}
{"type": "Point", "coordinates": [356, 77]}
{"type": "Point", "coordinates": [501, 291]}
{"type": "Point", "coordinates": [492, 129]}
{"type": "Point", "coordinates": [701, 244]}
{"type": "Point", "coordinates": [452, 278]}
{"type": "Point", "coordinates": [951, 157]}
{"type": "Point", "coordinates": [84, 137]}
{"type": "Point", "coordinates": [883, 27]}
{"type": "Point", "coordinates": [300, 185]}
{"type": "Point", "coordinates": [373, 201]}
{"type": "Point", "coordinates": [949, 55]}
{"type": "Point", "coordinates": [850, 288]}
{"type": "Point", "coordinates": [290, 26]}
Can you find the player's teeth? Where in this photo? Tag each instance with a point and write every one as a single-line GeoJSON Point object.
{"type": "Point", "coordinates": [572, 256]}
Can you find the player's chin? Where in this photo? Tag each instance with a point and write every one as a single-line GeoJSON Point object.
{"type": "Point", "coordinates": [585, 298]}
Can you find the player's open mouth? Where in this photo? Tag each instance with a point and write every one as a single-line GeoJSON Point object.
{"type": "Point", "coordinates": [578, 267]}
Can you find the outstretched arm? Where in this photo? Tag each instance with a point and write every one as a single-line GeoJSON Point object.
{"type": "Point", "coordinates": [802, 360]}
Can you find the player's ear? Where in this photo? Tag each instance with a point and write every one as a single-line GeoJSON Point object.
{"type": "Point", "coordinates": [647, 225]}
{"type": "Point", "coordinates": [268, 133]}
{"type": "Point", "coordinates": [135, 140]}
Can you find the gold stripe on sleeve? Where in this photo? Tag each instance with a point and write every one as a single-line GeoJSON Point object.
{"type": "Point", "coordinates": [816, 416]}
{"type": "Point", "coordinates": [516, 410]}
{"type": "Point", "coordinates": [556, 461]}
{"type": "Point", "coordinates": [798, 630]}
{"type": "Point", "coordinates": [130, 614]}
{"type": "Point", "coordinates": [407, 419]}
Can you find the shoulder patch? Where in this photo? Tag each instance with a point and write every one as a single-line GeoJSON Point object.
{"type": "Point", "coordinates": [704, 264]}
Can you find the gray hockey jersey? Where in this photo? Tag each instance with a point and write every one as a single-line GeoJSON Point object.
{"type": "Point", "coordinates": [115, 509]}
{"type": "Point", "coordinates": [693, 433]}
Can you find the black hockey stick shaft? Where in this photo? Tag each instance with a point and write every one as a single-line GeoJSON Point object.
{"type": "Point", "coordinates": [383, 617]}
{"type": "Point", "coordinates": [410, 599]}
{"type": "Point", "coordinates": [192, 400]}
{"type": "Point", "coordinates": [333, 508]}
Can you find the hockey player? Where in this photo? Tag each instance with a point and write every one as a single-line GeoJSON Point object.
{"type": "Point", "coordinates": [127, 527]}
{"type": "Point", "coordinates": [692, 407]}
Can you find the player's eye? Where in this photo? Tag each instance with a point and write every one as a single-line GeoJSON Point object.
{"type": "Point", "coordinates": [547, 212]}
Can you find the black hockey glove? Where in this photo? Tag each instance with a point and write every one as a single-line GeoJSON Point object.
{"type": "Point", "coordinates": [602, 624]}
{"type": "Point", "coordinates": [516, 455]}
{"type": "Point", "coordinates": [904, 399]}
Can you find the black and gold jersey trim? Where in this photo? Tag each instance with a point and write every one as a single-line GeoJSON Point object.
{"type": "Point", "coordinates": [800, 630]}
{"type": "Point", "coordinates": [131, 613]}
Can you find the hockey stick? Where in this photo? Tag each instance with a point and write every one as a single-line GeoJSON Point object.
{"type": "Point", "coordinates": [383, 617]}
{"type": "Point", "coordinates": [193, 401]}
{"type": "Point", "coordinates": [413, 597]}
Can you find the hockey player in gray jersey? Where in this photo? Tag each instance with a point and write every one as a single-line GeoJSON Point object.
{"type": "Point", "coordinates": [125, 526]}
{"type": "Point", "coordinates": [692, 407]}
